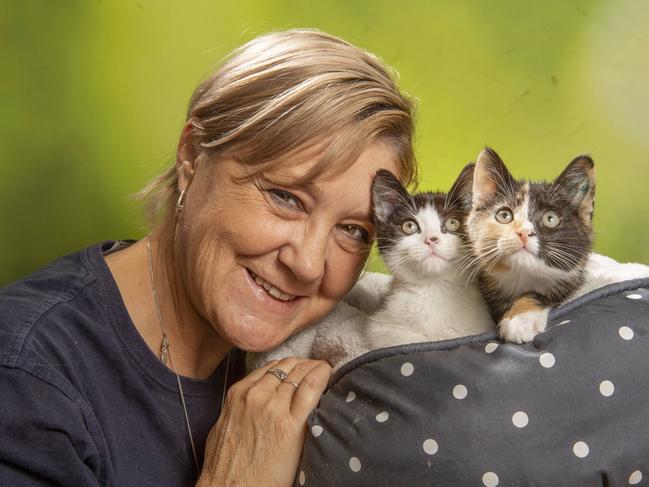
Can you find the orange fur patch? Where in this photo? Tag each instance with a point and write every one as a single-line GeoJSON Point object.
{"type": "Point", "coordinates": [523, 305]}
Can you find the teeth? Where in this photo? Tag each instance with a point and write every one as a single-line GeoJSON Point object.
{"type": "Point", "coordinates": [274, 292]}
{"type": "Point", "coordinates": [270, 289]}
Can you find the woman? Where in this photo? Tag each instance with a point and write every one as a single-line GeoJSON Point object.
{"type": "Point", "coordinates": [116, 360]}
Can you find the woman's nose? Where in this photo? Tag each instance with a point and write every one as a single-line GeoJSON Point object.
{"type": "Point", "coordinates": [304, 254]}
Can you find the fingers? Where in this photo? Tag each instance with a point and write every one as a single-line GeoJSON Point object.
{"type": "Point", "coordinates": [296, 376]}
{"type": "Point", "coordinates": [311, 377]}
{"type": "Point", "coordinates": [311, 387]}
{"type": "Point", "coordinates": [240, 388]}
{"type": "Point", "coordinates": [269, 382]}
{"type": "Point", "coordinates": [257, 374]}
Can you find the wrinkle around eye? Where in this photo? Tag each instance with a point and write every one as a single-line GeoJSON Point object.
{"type": "Point", "coordinates": [364, 234]}
{"type": "Point", "coordinates": [347, 242]}
{"type": "Point", "coordinates": [282, 197]}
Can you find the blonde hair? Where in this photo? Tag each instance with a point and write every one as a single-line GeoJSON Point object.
{"type": "Point", "coordinates": [285, 92]}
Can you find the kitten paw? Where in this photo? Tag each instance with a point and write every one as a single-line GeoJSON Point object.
{"type": "Point", "coordinates": [523, 327]}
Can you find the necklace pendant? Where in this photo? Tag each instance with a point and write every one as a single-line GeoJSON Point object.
{"type": "Point", "coordinates": [164, 349]}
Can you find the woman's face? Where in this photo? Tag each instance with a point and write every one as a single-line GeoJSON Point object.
{"type": "Point", "coordinates": [266, 258]}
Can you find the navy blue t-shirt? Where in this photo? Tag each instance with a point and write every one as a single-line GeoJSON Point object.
{"type": "Point", "coordinates": [83, 400]}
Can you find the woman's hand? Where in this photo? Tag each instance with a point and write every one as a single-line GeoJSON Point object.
{"type": "Point", "coordinates": [259, 436]}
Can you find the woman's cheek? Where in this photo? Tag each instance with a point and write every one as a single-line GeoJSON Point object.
{"type": "Point", "coordinates": [343, 271]}
{"type": "Point", "coordinates": [207, 260]}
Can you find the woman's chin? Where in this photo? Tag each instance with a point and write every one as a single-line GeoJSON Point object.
{"type": "Point", "coordinates": [258, 338]}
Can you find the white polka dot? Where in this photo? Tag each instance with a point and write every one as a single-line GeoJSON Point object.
{"type": "Point", "coordinates": [580, 449]}
{"type": "Point", "coordinates": [351, 396]}
{"type": "Point", "coordinates": [490, 347]}
{"type": "Point", "coordinates": [626, 333]}
{"type": "Point", "coordinates": [564, 322]}
{"type": "Point", "coordinates": [490, 479]}
{"type": "Point", "coordinates": [355, 464]}
{"type": "Point", "coordinates": [547, 360]}
{"type": "Point", "coordinates": [606, 388]}
{"type": "Point", "coordinates": [316, 430]}
{"type": "Point", "coordinates": [634, 296]}
{"type": "Point", "coordinates": [460, 391]}
{"type": "Point", "coordinates": [407, 369]}
{"type": "Point", "coordinates": [520, 419]}
{"type": "Point", "coordinates": [635, 478]}
{"type": "Point", "coordinates": [382, 417]}
{"type": "Point", "coordinates": [430, 446]}
{"type": "Point", "coordinates": [302, 477]}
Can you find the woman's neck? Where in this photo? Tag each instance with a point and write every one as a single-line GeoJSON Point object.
{"type": "Point", "coordinates": [195, 348]}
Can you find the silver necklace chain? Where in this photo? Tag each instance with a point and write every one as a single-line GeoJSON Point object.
{"type": "Point", "coordinates": [165, 354]}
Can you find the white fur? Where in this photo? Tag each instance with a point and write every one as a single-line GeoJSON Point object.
{"type": "Point", "coordinates": [523, 327]}
{"type": "Point", "coordinates": [528, 273]}
{"type": "Point", "coordinates": [339, 336]}
{"type": "Point", "coordinates": [347, 321]}
{"type": "Point", "coordinates": [433, 310]}
{"type": "Point", "coordinates": [602, 270]}
{"type": "Point", "coordinates": [429, 299]}
{"type": "Point", "coordinates": [411, 259]}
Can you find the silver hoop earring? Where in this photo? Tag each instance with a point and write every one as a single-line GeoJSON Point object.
{"type": "Point", "coordinates": [180, 204]}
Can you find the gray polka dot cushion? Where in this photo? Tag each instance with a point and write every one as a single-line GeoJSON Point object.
{"type": "Point", "coordinates": [570, 409]}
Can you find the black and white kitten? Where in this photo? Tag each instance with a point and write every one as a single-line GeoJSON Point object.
{"type": "Point", "coordinates": [530, 241]}
{"type": "Point", "coordinates": [420, 238]}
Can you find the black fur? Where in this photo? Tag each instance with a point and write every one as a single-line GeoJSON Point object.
{"type": "Point", "coordinates": [571, 196]}
{"type": "Point", "coordinates": [393, 205]}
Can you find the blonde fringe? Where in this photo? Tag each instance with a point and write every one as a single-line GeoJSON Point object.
{"type": "Point", "coordinates": [284, 92]}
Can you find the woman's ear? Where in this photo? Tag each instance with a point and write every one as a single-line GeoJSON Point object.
{"type": "Point", "coordinates": [185, 158]}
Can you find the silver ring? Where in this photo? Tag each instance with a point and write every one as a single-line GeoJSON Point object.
{"type": "Point", "coordinates": [294, 384]}
{"type": "Point", "coordinates": [279, 373]}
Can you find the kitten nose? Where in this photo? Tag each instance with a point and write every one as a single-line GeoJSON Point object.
{"type": "Point", "coordinates": [524, 234]}
{"type": "Point", "coordinates": [430, 241]}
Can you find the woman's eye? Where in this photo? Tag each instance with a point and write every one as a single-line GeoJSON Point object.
{"type": "Point", "coordinates": [504, 215]}
{"type": "Point", "coordinates": [551, 219]}
{"type": "Point", "coordinates": [409, 227]}
{"type": "Point", "coordinates": [356, 232]}
{"type": "Point", "coordinates": [285, 198]}
{"type": "Point", "coordinates": [452, 224]}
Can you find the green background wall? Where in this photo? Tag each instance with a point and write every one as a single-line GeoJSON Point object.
{"type": "Point", "coordinates": [93, 93]}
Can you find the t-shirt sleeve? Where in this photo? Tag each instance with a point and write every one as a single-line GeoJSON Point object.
{"type": "Point", "coordinates": [44, 439]}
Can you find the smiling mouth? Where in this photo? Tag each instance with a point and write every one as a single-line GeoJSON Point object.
{"type": "Point", "coordinates": [271, 290]}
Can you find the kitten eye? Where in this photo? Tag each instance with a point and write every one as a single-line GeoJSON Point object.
{"type": "Point", "coordinates": [551, 219]}
{"type": "Point", "coordinates": [452, 224]}
{"type": "Point", "coordinates": [504, 215]}
{"type": "Point", "coordinates": [409, 227]}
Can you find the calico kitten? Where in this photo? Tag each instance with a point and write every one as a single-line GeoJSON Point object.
{"type": "Point", "coordinates": [530, 241]}
{"type": "Point", "coordinates": [420, 238]}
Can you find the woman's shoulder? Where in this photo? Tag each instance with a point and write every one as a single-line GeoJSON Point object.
{"type": "Point", "coordinates": [42, 303]}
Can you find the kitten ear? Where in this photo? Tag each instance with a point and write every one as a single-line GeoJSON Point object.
{"type": "Point", "coordinates": [577, 182]}
{"type": "Point", "coordinates": [459, 196]}
{"type": "Point", "coordinates": [387, 194]}
{"type": "Point", "coordinates": [490, 176]}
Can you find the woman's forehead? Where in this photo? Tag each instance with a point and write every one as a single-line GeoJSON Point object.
{"type": "Point", "coordinates": [348, 190]}
{"type": "Point", "coordinates": [299, 169]}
